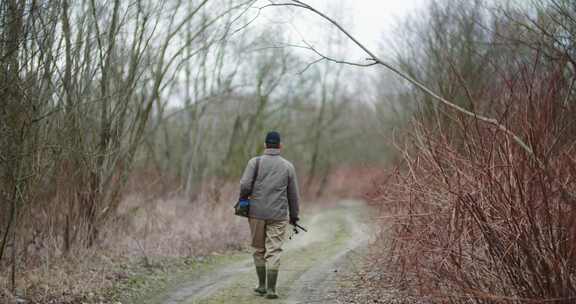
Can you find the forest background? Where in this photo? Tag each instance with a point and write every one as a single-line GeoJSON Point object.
{"type": "Point", "coordinates": [125, 125]}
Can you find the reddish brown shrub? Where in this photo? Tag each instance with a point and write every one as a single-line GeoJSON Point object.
{"type": "Point", "coordinates": [473, 217]}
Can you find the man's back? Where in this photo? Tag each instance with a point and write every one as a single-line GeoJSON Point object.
{"type": "Point", "coordinates": [275, 193]}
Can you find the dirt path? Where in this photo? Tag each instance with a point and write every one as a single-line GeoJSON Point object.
{"type": "Point", "coordinates": [311, 264]}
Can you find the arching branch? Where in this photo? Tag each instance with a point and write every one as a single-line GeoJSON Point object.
{"type": "Point", "coordinates": [375, 60]}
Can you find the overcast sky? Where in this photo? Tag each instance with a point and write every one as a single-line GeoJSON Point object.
{"type": "Point", "coordinates": [374, 19]}
{"type": "Point", "coordinates": [371, 21]}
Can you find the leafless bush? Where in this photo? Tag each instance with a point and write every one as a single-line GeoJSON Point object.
{"type": "Point", "coordinates": [475, 219]}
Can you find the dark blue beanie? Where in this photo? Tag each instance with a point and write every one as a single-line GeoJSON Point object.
{"type": "Point", "coordinates": [273, 138]}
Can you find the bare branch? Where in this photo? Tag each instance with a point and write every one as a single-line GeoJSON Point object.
{"type": "Point", "coordinates": [377, 60]}
{"type": "Point", "coordinates": [309, 65]}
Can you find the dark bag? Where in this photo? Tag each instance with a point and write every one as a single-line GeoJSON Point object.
{"type": "Point", "coordinates": [242, 207]}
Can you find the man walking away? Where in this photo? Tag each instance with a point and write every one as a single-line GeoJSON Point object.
{"type": "Point", "coordinates": [273, 204]}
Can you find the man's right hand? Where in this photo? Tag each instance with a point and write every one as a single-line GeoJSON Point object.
{"type": "Point", "coordinates": [294, 221]}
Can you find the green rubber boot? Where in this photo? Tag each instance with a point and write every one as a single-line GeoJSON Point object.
{"type": "Point", "coordinates": [261, 272]}
{"type": "Point", "coordinates": [271, 284]}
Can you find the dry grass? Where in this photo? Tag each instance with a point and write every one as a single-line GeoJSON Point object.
{"type": "Point", "coordinates": [148, 229]}
{"type": "Point", "coordinates": [177, 227]}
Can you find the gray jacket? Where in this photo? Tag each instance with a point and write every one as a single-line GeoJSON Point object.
{"type": "Point", "coordinates": [275, 192]}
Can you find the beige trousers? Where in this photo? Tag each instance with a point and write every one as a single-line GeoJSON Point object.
{"type": "Point", "coordinates": [268, 236]}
